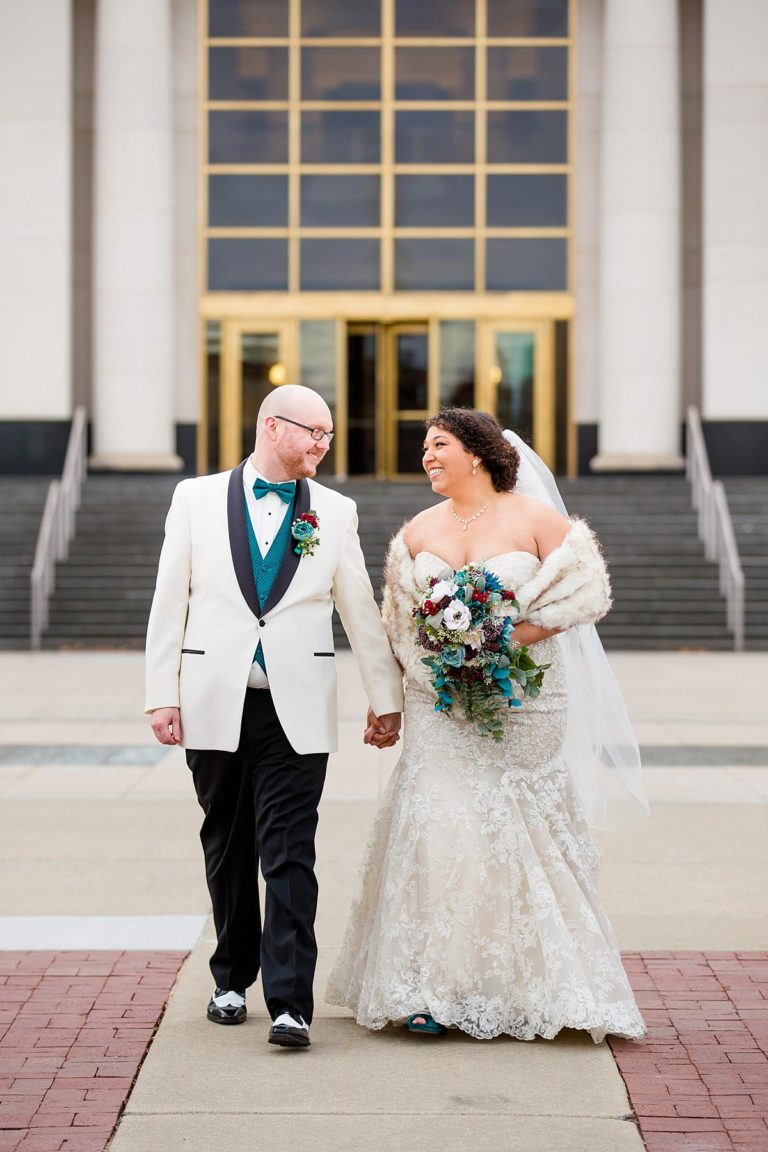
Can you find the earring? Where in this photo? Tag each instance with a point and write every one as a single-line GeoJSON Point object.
{"type": "Point", "coordinates": [474, 467]}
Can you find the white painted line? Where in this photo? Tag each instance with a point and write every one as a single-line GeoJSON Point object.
{"type": "Point", "coordinates": [111, 933]}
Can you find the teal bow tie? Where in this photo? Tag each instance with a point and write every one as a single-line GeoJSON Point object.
{"type": "Point", "coordinates": [285, 490]}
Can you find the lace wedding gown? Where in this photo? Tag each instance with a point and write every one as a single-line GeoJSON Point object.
{"type": "Point", "coordinates": [479, 901]}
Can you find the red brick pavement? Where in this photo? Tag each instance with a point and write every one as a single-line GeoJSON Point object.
{"type": "Point", "coordinates": [698, 1082]}
{"type": "Point", "coordinates": [74, 1029]}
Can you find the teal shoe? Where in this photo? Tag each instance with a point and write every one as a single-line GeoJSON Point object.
{"type": "Point", "coordinates": [427, 1025]}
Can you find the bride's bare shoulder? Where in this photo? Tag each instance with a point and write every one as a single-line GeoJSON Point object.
{"type": "Point", "coordinates": [422, 528]}
{"type": "Point", "coordinates": [545, 523]}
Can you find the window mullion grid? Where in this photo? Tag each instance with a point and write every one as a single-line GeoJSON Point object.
{"type": "Point", "coordinates": [481, 140]}
{"type": "Point", "coordinates": [387, 145]}
{"type": "Point", "coordinates": [294, 145]}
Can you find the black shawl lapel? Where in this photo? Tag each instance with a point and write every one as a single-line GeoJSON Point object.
{"type": "Point", "coordinates": [291, 558]}
{"type": "Point", "coordinates": [238, 539]}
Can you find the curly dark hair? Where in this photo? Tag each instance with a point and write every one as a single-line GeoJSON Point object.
{"type": "Point", "coordinates": [482, 435]}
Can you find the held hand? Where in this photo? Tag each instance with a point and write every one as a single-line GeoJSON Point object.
{"type": "Point", "coordinates": [382, 731]}
{"type": "Point", "coordinates": [166, 725]}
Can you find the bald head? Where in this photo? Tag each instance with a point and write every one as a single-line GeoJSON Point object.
{"type": "Point", "coordinates": [298, 403]}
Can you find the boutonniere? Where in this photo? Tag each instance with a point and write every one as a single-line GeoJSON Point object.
{"type": "Point", "coordinates": [305, 530]}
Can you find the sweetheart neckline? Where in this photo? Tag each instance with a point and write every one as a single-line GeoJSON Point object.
{"type": "Point", "coordinates": [498, 556]}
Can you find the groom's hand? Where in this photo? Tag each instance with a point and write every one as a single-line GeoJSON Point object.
{"type": "Point", "coordinates": [166, 725]}
{"type": "Point", "coordinates": [382, 731]}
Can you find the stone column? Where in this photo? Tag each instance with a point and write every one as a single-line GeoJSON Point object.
{"type": "Point", "coordinates": [133, 414]}
{"type": "Point", "coordinates": [35, 227]}
{"type": "Point", "coordinates": [639, 269]}
{"type": "Point", "coordinates": [735, 232]}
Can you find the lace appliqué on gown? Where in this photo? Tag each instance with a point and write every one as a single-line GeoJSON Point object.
{"type": "Point", "coordinates": [479, 900]}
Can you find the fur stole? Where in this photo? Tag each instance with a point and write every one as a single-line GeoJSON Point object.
{"type": "Point", "coordinates": [571, 586]}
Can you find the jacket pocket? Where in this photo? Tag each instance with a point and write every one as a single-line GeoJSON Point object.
{"type": "Point", "coordinates": [193, 651]}
{"type": "Point", "coordinates": [323, 653]}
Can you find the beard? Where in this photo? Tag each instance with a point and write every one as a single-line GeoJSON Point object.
{"type": "Point", "coordinates": [298, 464]}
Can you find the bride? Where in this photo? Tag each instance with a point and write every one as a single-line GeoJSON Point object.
{"type": "Point", "coordinates": [479, 907]}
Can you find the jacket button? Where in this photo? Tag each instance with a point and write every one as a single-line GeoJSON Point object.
{"type": "Point", "coordinates": [261, 623]}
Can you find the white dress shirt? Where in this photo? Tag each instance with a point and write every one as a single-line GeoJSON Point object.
{"type": "Point", "coordinates": [267, 515]}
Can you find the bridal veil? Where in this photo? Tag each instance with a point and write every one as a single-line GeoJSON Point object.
{"type": "Point", "coordinates": [600, 748]}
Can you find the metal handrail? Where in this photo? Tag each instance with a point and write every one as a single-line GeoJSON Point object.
{"type": "Point", "coordinates": [57, 526]}
{"type": "Point", "coordinates": [715, 526]}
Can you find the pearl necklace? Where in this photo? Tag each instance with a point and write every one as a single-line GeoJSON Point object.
{"type": "Point", "coordinates": [465, 522]}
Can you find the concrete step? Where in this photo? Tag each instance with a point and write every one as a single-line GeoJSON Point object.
{"type": "Point", "coordinates": [666, 594]}
{"type": "Point", "coordinates": [21, 507]}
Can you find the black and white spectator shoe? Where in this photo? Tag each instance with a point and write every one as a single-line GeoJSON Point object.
{"type": "Point", "coordinates": [227, 1007]}
{"type": "Point", "coordinates": [289, 1030]}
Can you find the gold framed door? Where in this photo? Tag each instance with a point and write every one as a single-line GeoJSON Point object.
{"type": "Point", "coordinates": [516, 380]}
{"type": "Point", "coordinates": [255, 357]}
{"type": "Point", "coordinates": [410, 395]}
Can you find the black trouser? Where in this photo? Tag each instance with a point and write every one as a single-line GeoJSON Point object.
{"type": "Point", "coordinates": [260, 805]}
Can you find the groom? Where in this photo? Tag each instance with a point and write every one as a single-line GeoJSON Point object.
{"type": "Point", "coordinates": [240, 670]}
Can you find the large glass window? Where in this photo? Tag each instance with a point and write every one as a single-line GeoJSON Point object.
{"type": "Point", "coordinates": [340, 137]}
{"type": "Point", "coordinates": [539, 137]}
{"type": "Point", "coordinates": [361, 118]}
{"type": "Point", "coordinates": [248, 137]}
{"type": "Point", "coordinates": [248, 73]}
{"type": "Point", "coordinates": [430, 18]}
{"type": "Point", "coordinates": [434, 137]}
{"type": "Point", "coordinates": [529, 73]}
{"type": "Point", "coordinates": [248, 201]}
{"type": "Point", "coordinates": [439, 265]}
{"type": "Point", "coordinates": [248, 18]}
{"type": "Point", "coordinates": [340, 201]}
{"type": "Point", "coordinates": [332, 265]}
{"type": "Point", "coordinates": [435, 201]}
{"type": "Point", "coordinates": [533, 18]}
{"type": "Point", "coordinates": [246, 265]}
{"type": "Point", "coordinates": [527, 265]}
{"type": "Point", "coordinates": [340, 73]}
{"type": "Point", "coordinates": [340, 17]}
{"type": "Point", "coordinates": [435, 74]}
{"type": "Point", "coordinates": [527, 201]}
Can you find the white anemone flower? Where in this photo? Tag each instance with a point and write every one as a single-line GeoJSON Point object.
{"type": "Point", "coordinates": [443, 588]}
{"type": "Point", "coordinates": [457, 617]}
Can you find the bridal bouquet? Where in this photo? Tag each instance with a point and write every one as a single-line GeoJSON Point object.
{"type": "Point", "coordinates": [466, 625]}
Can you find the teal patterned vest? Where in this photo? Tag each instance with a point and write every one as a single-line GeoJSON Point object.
{"type": "Point", "coordinates": [266, 568]}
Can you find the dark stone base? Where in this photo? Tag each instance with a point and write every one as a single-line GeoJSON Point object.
{"type": "Point", "coordinates": [586, 447]}
{"type": "Point", "coordinates": [737, 447]}
{"type": "Point", "coordinates": [186, 446]}
{"type": "Point", "coordinates": [33, 447]}
{"type": "Point", "coordinates": [38, 447]}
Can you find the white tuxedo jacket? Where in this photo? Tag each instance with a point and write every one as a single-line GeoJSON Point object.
{"type": "Point", "coordinates": [206, 620]}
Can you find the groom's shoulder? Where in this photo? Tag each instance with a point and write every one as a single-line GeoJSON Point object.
{"type": "Point", "coordinates": [194, 493]}
{"type": "Point", "coordinates": [331, 498]}
{"type": "Point", "coordinates": [193, 486]}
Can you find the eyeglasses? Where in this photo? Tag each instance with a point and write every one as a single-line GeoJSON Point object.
{"type": "Point", "coordinates": [316, 433]}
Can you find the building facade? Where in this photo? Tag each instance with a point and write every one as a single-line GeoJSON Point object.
{"type": "Point", "coordinates": [550, 209]}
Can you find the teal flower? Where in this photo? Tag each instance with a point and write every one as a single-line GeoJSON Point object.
{"type": "Point", "coordinates": [305, 532]}
{"type": "Point", "coordinates": [453, 655]}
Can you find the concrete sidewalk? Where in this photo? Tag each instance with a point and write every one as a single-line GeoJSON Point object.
{"type": "Point", "coordinates": [97, 821]}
